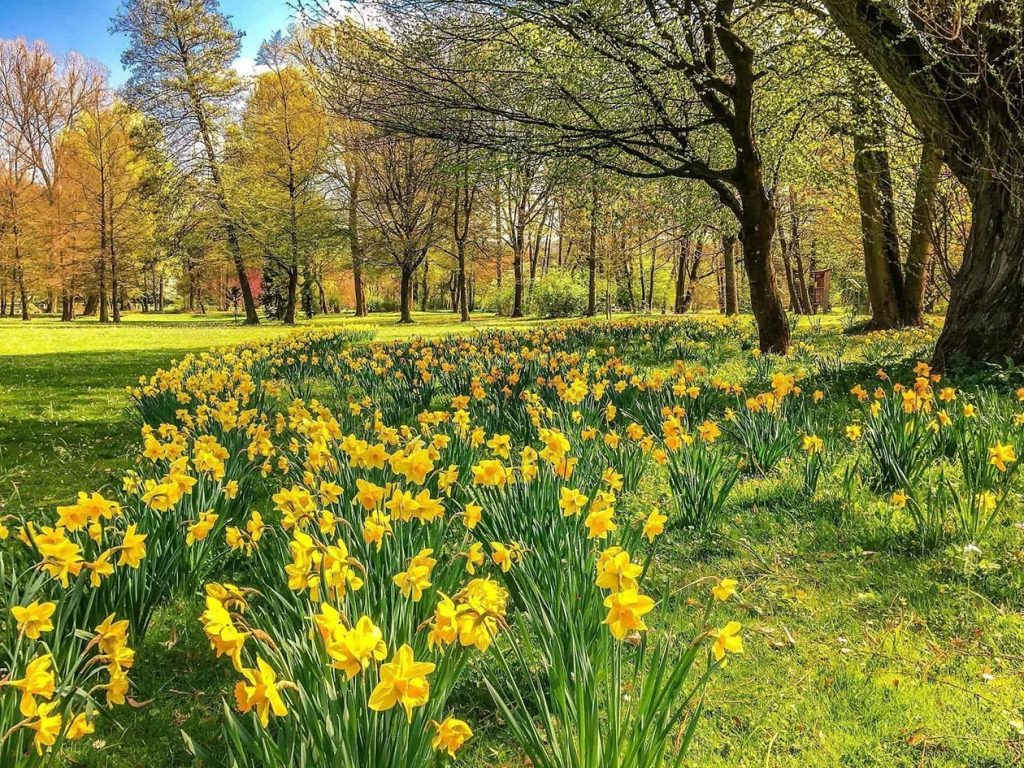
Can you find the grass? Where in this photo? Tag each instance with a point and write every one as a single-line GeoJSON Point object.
{"type": "Point", "coordinates": [65, 423]}
{"type": "Point", "coordinates": [856, 654]}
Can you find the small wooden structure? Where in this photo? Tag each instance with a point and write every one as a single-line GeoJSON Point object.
{"type": "Point", "coordinates": [819, 296]}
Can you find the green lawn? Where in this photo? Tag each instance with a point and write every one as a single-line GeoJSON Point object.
{"type": "Point", "coordinates": [857, 653]}
{"type": "Point", "coordinates": [64, 424]}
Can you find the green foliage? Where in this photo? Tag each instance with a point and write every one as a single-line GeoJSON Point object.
{"type": "Point", "coordinates": [559, 294]}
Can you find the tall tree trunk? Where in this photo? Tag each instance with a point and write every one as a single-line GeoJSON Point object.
{"type": "Point", "coordinates": [882, 289]}
{"type": "Point", "coordinates": [882, 268]}
{"type": "Point", "coordinates": [499, 243]}
{"type": "Point", "coordinates": [425, 285]}
{"type": "Point", "coordinates": [115, 280]}
{"type": "Point", "coordinates": [729, 268]}
{"type": "Point", "coordinates": [23, 294]}
{"type": "Point", "coordinates": [19, 269]}
{"type": "Point", "coordinates": [694, 277]}
{"type": "Point", "coordinates": [787, 268]}
{"type": "Point", "coordinates": [460, 247]}
{"type": "Point", "coordinates": [101, 261]}
{"type": "Point", "coordinates": [293, 283]}
{"type": "Point", "coordinates": [797, 253]}
{"type": "Point", "coordinates": [231, 232]}
{"type": "Point", "coordinates": [919, 250]}
{"type": "Point", "coordinates": [757, 231]}
{"type": "Point", "coordinates": [985, 321]}
{"type": "Point", "coordinates": [753, 205]}
{"type": "Point", "coordinates": [650, 287]}
{"type": "Point", "coordinates": [963, 103]}
{"type": "Point", "coordinates": [355, 244]}
{"type": "Point", "coordinates": [682, 259]}
{"type": "Point", "coordinates": [405, 299]}
{"type": "Point", "coordinates": [519, 245]}
{"type": "Point", "coordinates": [591, 255]}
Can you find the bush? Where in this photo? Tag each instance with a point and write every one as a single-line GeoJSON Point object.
{"type": "Point", "coordinates": [382, 304]}
{"type": "Point", "coordinates": [498, 299]}
{"type": "Point", "coordinates": [559, 294]}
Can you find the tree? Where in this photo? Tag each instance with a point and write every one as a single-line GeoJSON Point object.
{"type": "Point", "coordinates": [281, 157]}
{"type": "Point", "coordinates": [106, 170]}
{"type": "Point", "coordinates": [956, 69]}
{"type": "Point", "coordinates": [403, 203]}
{"type": "Point", "coordinates": [40, 97]}
{"type": "Point", "coordinates": [180, 59]}
{"type": "Point", "coordinates": [651, 90]}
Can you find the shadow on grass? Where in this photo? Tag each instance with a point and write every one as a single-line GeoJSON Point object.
{"type": "Point", "coordinates": [66, 422]}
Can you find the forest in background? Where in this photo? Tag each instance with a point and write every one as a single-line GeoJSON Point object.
{"type": "Point", "coordinates": [521, 157]}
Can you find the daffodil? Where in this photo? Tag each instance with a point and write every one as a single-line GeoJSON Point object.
{"type": "Point", "coordinates": [450, 734]}
{"type": "Point", "coordinates": [626, 610]}
{"type": "Point", "coordinates": [727, 640]}
{"type": "Point", "coordinates": [403, 681]}
{"type": "Point", "coordinates": [34, 618]}
{"type": "Point", "coordinates": [260, 691]}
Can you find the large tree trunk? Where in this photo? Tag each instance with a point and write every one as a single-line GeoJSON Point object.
{"type": "Point", "coordinates": [985, 320]}
{"type": "Point", "coordinates": [756, 233]}
{"type": "Point", "coordinates": [919, 251]}
{"type": "Point", "coordinates": [881, 247]}
{"type": "Point", "coordinates": [955, 88]}
{"type": "Point", "coordinates": [729, 267]}
{"type": "Point", "coordinates": [405, 299]}
{"type": "Point", "coordinates": [753, 205]}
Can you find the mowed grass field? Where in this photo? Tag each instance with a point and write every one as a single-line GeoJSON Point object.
{"type": "Point", "coordinates": [859, 652]}
{"type": "Point", "coordinates": [64, 418]}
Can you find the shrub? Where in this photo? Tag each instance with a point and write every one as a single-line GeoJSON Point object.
{"type": "Point", "coordinates": [498, 298]}
{"type": "Point", "coordinates": [559, 294]}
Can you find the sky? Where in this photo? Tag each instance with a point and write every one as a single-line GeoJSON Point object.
{"type": "Point", "coordinates": [81, 25]}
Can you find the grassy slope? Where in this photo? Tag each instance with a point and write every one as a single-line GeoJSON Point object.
{"type": "Point", "coordinates": [854, 657]}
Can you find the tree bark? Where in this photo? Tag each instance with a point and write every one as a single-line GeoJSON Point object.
{"type": "Point", "coordinates": [729, 267]}
{"type": "Point", "coordinates": [796, 252]}
{"type": "Point", "coordinates": [289, 307]}
{"type": "Point", "coordinates": [425, 286]}
{"type": "Point", "coordinates": [955, 91]}
{"type": "Point", "coordinates": [682, 259]}
{"type": "Point", "coordinates": [405, 299]}
{"type": "Point", "coordinates": [519, 246]}
{"type": "Point", "coordinates": [753, 204]}
{"type": "Point", "coordinates": [985, 320]}
{"type": "Point", "coordinates": [354, 243]}
{"type": "Point", "coordinates": [787, 268]}
{"type": "Point", "coordinates": [694, 277]}
{"type": "Point", "coordinates": [919, 250]}
{"type": "Point", "coordinates": [591, 255]}
{"type": "Point", "coordinates": [878, 237]}
{"type": "Point", "coordinates": [460, 247]}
